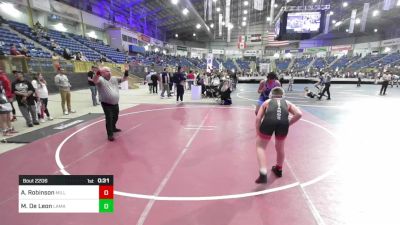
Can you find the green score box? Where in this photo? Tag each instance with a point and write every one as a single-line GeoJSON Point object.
{"type": "Point", "coordinates": [106, 205]}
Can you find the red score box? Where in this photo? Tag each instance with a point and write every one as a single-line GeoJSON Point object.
{"type": "Point", "coordinates": [106, 192]}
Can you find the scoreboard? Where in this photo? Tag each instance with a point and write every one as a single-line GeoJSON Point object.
{"type": "Point", "coordinates": [66, 194]}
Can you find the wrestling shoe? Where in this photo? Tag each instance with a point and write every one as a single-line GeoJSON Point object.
{"type": "Point", "coordinates": [277, 172]}
{"type": "Point", "coordinates": [262, 179]}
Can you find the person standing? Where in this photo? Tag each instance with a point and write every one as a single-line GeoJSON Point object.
{"type": "Point", "coordinates": [179, 79]}
{"type": "Point", "coordinates": [154, 80]}
{"type": "Point", "coordinates": [385, 83]}
{"type": "Point", "coordinates": [108, 88]}
{"type": "Point", "coordinates": [359, 80]}
{"type": "Point", "coordinates": [42, 95]}
{"type": "Point", "coordinates": [164, 83]}
{"type": "Point", "coordinates": [265, 87]}
{"type": "Point", "coordinates": [92, 86]}
{"type": "Point", "coordinates": [5, 105]}
{"type": "Point", "coordinates": [24, 91]}
{"type": "Point", "coordinates": [273, 118]}
{"type": "Point", "coordinates": [291, 81]}
{"type": "Point", "coordinates": [327, 84]}
{"type": "Point", "coordinates": [190, 79]}
{"type": "Point", "coordinates": [149, 81]}
{"type": "Point", "coordinates": [62, 82]}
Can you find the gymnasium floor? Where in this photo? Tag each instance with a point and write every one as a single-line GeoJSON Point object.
{"type": "Point", "coordinates": [195, 163]}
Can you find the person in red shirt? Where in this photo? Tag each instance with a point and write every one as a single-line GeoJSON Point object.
{"type": "Point", "coordinates": [190, 79]}
{"type": "Point", "coordinates": [14, 50]}
{"type": "Point", "coordinates": [6, 96]}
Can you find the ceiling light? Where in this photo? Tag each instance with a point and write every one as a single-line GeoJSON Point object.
{"type": "Point", "coordinates": [92, 34]}
{"type": "Point", "coordinates": [218, 9]}
{"type": "Point", "coordinates": [194, 34]}
{"type": "Point", "coordinates": [10, 10]}
{"type": "Point", "coordinates": [276, 6]}
{"type": "Point", "coordinates": [245, 12]}
{"type": "Point", "coordinates": [214, 0]}
{"type": "Point", "coordinates": [223, 23]}
{"type": "Point", "coordinates": [198, 26]}
{"type": "Point", "coordinates": [212, 25]}
{"type": "Point", "coordinates": [347, 30]}
{"type": "Point", "coordinates": [146, 48]}
{"type": "Point", "coordinates": [244, 18]}
{"type": "Point", "coordinates": [60, 27]}
{"type": "Point", "coordinates": [345, 4]}
{"type": "Point", "coordinates": [156, 49]}
{"type": "Point", "coordinates": [244, 23]}
{"type": "Point", "coordinates": [375, 30]}
{"type": "Point", "coordinates": [268, 18]}
{"type": "Point", "coordinates": [358, 21]}
{"type": "Point", "coordinates": [333, 21]}
{"type": "Point", "coordinates": [314, 1]}
{"type": "Point", "coordinates": [398, 3]}
{"type": "Point", "coordinates": [185, 11]}
{"type": "Point", "coordinates": [375, 12]}
{"type": "Point", "coordinates": [230, 26]}
{"type": "Point", "coordinates": [246, 3]}
{"type": "Point", "coordinates": [176, 35]}
{"type": "Point", "coordinates": [174, 2]}
{"type": "Point", "coordinates": [331, 13]}
{"type": "Point", "coordinates": [338, 23]}
{"type": "Point", "coordinates": [164, 52]}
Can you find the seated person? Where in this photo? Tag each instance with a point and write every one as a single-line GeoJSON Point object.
{"type": "Point", "coordinates": [308, 93]}
{"type": "Point", "coordinates": [25, 51]}
{"type": "Point", "coordinates": [78, 56]}
{"type": "Point", "coordinates": [226, 93]}
{"type": "Point", "coordinates": [67, 54]}
{"type": "Point", "coordinates": [13, 50]}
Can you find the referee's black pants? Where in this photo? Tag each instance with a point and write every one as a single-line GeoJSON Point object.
{"type": "Point", "coordinates": [180, 91]}
{"type": "Point", "coordinates": [385, 84]}
{"type": "Point", "coordinates": [111, 113]}
{"type": "Point", "coordinates": [326, 89]}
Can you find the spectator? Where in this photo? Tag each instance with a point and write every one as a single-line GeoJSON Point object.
{"type": "Point", "coordinates": [164, 83]}
{"type": "Point", "coordinates": [67, 54]}
{"type": "Point", "coordinates": [179, 79]}
{"type": "Point", "coordinates": [63, 84]}
{"type": "Point", "coordinates": [92, 86]}
{"type": "Point", "coordinates": [5, 105]}
{"type": "Point", "coordinates": [14, 51]}
{"type": "Point", "coordinates": [42, 95]}
{"type": "Point", "coordinates": [226, 93]}
{"type": "Point", "coordinates": [154, 81]}
{"type": "Point", "coordinates": [190, 79]}
{"type": "Point", "coordinates": [24, 91]}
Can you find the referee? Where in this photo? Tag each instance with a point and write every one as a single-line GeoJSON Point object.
{"type": "Point", "coordinates": [108, 88]}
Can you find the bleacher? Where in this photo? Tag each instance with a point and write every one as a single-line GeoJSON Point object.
{"type": "Point", "coordinates": [343, 62]}
{"type": "Point", "coordinates": [244, 65]}
{"type": "Point", "coordinates": [282, 64]}
{"type": "Point", "coordinates": [99, 46]}
{"type": "Point", "coordinates": [7, 38]}
{"type": "Point", "coordinates": [302, 63]}
{"type": "Point", "coordinates": [229, 65]}
{"type": "Point", "coordinates": [388, 60]}
{"type": "Point", "coordinates": [258, 61]}
{"type": "Point", "coordinates": [74, 46]}
{"type": "Point", "coordinates": [365, 61]}
{"type": "Point", "coordinates": [322, 62]}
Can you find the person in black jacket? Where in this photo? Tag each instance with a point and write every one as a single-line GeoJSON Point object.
{"type": "Point", "coordinates": [24, 91]}
{"type": "Point", "coordinates": [226, 93]}
{"type": "Point", "coordinates": [179, 79]}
